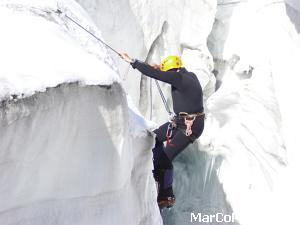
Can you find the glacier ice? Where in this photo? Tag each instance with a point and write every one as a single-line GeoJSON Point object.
{"type": "Point", "coordinates": [254, 127]}
{"type": "Point", "coordinates": [59, 99]}
{"type": "Point", "coordinates": [67, 157]}
{"type": "Point", "coordinates": [73, 150]}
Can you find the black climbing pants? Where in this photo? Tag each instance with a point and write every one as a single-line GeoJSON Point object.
{"type": "Point", "coordinates": [163, 155]}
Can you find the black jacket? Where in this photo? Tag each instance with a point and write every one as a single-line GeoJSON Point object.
{"type": "Point", "coordinates": [186, 90]}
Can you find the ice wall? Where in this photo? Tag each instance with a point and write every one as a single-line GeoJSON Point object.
{"type": "Point", "coordinates": [73, 149]}
{"type": "Point", "coordinates": [254, 121]}
{"type": "Point", "coordinates": [67, 157]}
{"type": "Point", "coordinates": [293, 11]}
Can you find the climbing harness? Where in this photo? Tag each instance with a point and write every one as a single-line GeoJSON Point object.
{"type": "Point", "coordinates": [185, 126]}
{"type": "Point", "coordinates": [169, 133]}
{"type": "Point", "coordinates": [189, 124]}
{"type": "Point", "coordinates": [189, 121]}
{"type": "Point", "coordinates": [58, 11]}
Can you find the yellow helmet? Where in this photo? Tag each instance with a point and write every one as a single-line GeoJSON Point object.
{"type": "Point", "coordinates": [171, 62]}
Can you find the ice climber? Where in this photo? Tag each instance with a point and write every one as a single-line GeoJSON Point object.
{"type": "Point", "coordinates": [184, 128]}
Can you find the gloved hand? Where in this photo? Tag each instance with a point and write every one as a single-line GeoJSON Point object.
{"type": "Point", "coordinates": [126, 57]}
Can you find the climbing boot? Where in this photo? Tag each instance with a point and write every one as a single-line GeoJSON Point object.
{"type": "Point", "coordinates": [166, 198]}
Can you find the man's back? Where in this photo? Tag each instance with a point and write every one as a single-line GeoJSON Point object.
{"type": "Point", "coordinates": [186, 90]}
{"type": "Point", "coordinates": [189, 97]}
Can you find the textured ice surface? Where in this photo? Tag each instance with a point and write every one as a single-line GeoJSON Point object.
{"type": "Point", "coordinates": [72, 151]}
{"type": "Point", "coordinates": [253, 120]}
{"type": "Point", "coordinates": [68, 157]}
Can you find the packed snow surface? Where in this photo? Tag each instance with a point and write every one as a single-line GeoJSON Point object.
{"type": "Point", "coordinates": [40, 49]}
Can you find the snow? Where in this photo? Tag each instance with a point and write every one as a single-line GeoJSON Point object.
{"type": "Point", "coordinates": [37, 64]}
{"type": "Point", "coordinates": [140, 125]}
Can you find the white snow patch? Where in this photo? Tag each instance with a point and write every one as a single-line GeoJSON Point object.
{"type": "Point", "coordinates": [139, 126]}
{"type": "Point", "coordinates": [43, 51]}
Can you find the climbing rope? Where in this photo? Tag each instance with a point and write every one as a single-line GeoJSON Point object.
{"type": "Point", "coordinates": [125, 73]}
{"type": "Point", "coordinates": [93, 35]}
{"type": "Point", "coordinates": [232, 2]}
{"type": "Point", "coordinates": [151, 99]}
{"type": "Point", "coordinates": [98, 39]}
{"type": "Point", "coordinates": [164, 99]}
{"type": "Point", "coordinates": [171, 114]}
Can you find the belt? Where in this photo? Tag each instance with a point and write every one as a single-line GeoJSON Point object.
{"type": "Point", "coordinates": [188, 120]}
{"type": "Point", "coordinates": [190, 115]}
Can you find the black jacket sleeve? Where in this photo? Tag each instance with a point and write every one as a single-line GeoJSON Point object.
{"type": "Point", "coordinates": [170, 77]}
